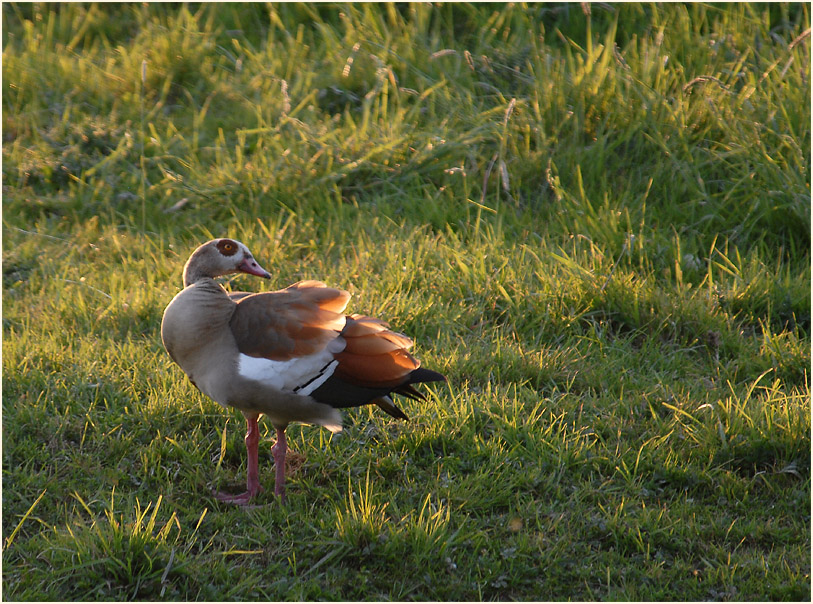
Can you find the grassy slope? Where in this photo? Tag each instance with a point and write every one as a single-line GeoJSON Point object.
{"type": "Point", "coordinates": [605, 248]}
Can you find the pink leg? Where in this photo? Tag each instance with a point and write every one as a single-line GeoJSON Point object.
{"type": "Point", "coordinates": [253, 475]}
{"type": "Point", "coordinates": [279, 451]}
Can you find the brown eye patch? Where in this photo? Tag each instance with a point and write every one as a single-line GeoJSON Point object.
{"type": "Point", "coordinates": [227, 247]}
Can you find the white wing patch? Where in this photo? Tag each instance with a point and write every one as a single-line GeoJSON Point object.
{"type": "Point", "coordinates": [317, 380]}
{"type": "Point", "coordinates": [302, 375]}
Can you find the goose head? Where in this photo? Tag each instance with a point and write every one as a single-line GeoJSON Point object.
{"type": "Point", "coordinates": [220, 257]}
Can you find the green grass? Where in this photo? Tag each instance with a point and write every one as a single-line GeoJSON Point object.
{"type": "Point", "coordinates": [596, 225]}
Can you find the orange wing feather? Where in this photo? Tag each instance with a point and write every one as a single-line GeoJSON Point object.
{"type": "Point", "coordinates": [374, 356]}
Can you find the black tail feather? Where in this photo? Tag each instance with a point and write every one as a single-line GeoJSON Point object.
{"type": "Point", "coordinates": [338, 393]}
{"type": "Point", "coordinates": [410, 392]}
{"type": "Point", "coordinates": [421, 375]}
{"type": "Point", "coordinates": [386, 405]}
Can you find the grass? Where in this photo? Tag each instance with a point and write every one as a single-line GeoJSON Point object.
{"type": "Point", "coordinates": [595, 223]}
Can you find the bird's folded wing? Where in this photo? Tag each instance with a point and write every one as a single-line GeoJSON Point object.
{"type": "Point", "coordinates": [294, 322]}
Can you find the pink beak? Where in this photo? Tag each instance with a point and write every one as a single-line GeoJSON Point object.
{"type": "Point", "coordinates": [250, 266]}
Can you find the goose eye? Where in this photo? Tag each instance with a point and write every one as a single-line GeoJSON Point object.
{"type": "Point", "coordinates": [227, 247]}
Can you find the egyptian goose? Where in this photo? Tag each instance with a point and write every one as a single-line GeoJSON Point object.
{"type": "Point", "coordinates": [290, 355]}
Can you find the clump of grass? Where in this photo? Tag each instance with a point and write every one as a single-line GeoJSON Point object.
{"type": "Point", "coordinates": [760, 430]}
{"type": "Point", "coordinates": [121, 553]}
